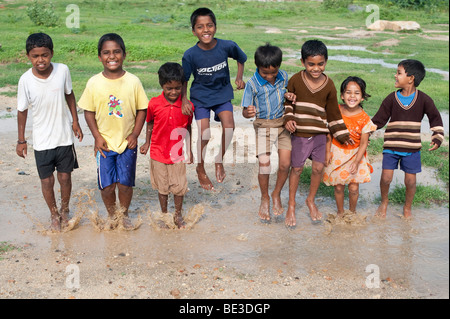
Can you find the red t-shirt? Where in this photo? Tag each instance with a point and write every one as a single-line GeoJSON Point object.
{"type": "Point", "coordinates": [169, 129]}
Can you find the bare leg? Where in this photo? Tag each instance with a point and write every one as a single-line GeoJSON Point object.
{"type": "Point", "coordinates": [47, 185]}
{"type": "Point", "coordinates": [227, 121]}
{"type": "Point", "coordinates": [178, 218]}
{"type": "Point", "coordinates": [284, 159]}
{"type": "Point", "coordinates": [385, 182]}
{"type": "Point", "coordinates": [125, 196]}
{"type": "Point", "coordinates": [263, 179]}
{"type": "Point", "coordinates": [109, 199]}
{"type": "Point", "coordinates": [204, 136]}
{"type": "Point", "coordinates": [316, 177]}
{"type": "Point", "coordinates": [294, 179]}
{"type": "Point", "coordinates": [353, 194]}
{"type": "Point", "coordinates": [65, 182]}
{"type": "Point", "coordinates": [163, 199]}
{"type": "Point", "coordinates": [410, 183]}
{"type": "Point", "coordinates": [339, 197]}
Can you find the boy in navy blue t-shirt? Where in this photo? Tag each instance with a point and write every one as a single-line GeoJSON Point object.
{"type": "Point", "coordinates": [211, 88]}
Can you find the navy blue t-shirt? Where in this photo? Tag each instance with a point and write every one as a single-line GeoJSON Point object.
{"type": "Point", "coordinates": [211, 85]}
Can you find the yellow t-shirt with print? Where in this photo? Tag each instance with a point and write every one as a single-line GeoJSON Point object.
{"type": "Point", "coordinates": [115, 103]}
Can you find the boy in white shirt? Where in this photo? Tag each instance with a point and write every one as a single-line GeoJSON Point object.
{"type": "Point", "coordinates": [47, 88]}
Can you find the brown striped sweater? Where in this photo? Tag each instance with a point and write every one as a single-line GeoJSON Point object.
{"type": "Point", "coordinates": [403, 130]}
{"type": "Point", "coordinates": [316, 111]}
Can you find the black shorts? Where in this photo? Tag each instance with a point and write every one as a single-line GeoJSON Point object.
{"type": "Point", "coordinates": [63, 158]}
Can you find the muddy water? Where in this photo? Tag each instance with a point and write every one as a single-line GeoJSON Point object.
{"type": "Point", "coordinates": [413, 254]}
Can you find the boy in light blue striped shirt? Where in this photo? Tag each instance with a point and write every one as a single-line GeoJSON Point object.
{"type": "Point", "coordinates": [263, 98]}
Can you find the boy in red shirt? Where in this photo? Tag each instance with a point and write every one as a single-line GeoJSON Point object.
{"type": "Point", "coordinates": [167, 128]}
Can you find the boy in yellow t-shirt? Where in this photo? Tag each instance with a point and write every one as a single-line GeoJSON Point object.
{"type": "Point", "coordinates": [115, 105]}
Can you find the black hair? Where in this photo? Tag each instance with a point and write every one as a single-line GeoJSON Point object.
{"type": "Point", "coordinates": [414, 67]}
{"type": "Point", "coordinates": [268, 55]}
{"type": "Point", "coordinates": [202, 12]}
{"type": "Point", "coordinates": [169, 72]}
{"type": "Point", "coordinates": [111, 37]}
{"type": "Point", "coordinates": [38, 40]}
{"type": "Point", "coordinates": [360, 82]}
{"type": "Point", "coordinates": [313, 48]}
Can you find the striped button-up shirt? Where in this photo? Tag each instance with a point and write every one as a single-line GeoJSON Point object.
{"type": "Point", "coordinates": [267, 98]}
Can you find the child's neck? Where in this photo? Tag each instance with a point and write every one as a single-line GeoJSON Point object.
{"type": "Point", "coordinates": [208, 46]}
{"type": "Point", "coordinates": [113, 75]}
{"type": "Point", "coordinates": [347, 111]}
{"type": "Point", "coordinates": [43, 75]}
{"type": "Point", "coordinates": [314, 83]}
{"type": "Point", "coordinates": [408, 90]}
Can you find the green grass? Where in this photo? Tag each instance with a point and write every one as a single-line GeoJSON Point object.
{"type": "Point", "coordinates": [158, 31]}
{"type": "Point", "coordinates": [5, 247]}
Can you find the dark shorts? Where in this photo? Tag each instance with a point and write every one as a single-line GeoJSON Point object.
{"type": "Point", "coordinates": [410, 164]}
{"type": "Point", "coordinates": [62, 158]}
{"type": "Point", "coordinates": [303, 148]}
{"type": "Point", "coordinates": [116, 168]}
{"type": "Point", "coordinates": [204, 112]}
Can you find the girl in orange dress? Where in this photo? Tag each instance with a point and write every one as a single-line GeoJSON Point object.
{"type": "Point", "coordinates": [348, 164]}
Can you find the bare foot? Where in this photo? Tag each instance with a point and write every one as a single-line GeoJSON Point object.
{"type": "Point", "coordinates": [313, 210]}
{"type": "Point", "coordinates": [220, 172]}
{"type": "Point", "coordinates": [55, 225]}
{"type": "Point", "coordinates": [204, 180]}
{"type": "Point", "coordinates": [277, 207]}
{"type": "Point", "coordinates": [381, 211]}
{"type": "Point", "coordinates": [64, 213]}
{"type": "Point", "coordinates": [126, 223]}
{"type": "Point", "coordinates": [264, 208]}
{"type": "Point", "coordinates": [290, 215]}
{"type": "Point", "coordinates": [407, 213]}
{"type": "Point", "coordinates": [340, 214]}
{"type": "Point", "coordinates": [179, 221]}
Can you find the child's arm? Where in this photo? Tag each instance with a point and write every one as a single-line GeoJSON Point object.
{"type": "Point", "coordinates": [72, 104]}
{"type": "Point", "coordinates": [100, 144]}
{"type": "Point", "coordinates": [186, 106]}
{"type": "Point", "coordinates": [328, 150]}
{"type": "Point", "coordinates": [361, 151]}
{"type": "Point", "coordinates": [190, 159]}
{"type": "Point", "coordinates": [21, 148]}
{"type": "Point", "coordinates": [148, 136]}
{"type": "Point", "coordinates": [240, 84]}
{"type": "Point", "coordinates": [132, 139]}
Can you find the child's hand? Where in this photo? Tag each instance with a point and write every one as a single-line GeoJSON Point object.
{"type": "Point", "coordinates": [240, 84]}
{"type": "Point", "coordinates": [21, 150]}
{"type": "Point", "coordinates": [144, 148]}
{"type": "Point", "coordinates": [249, 111]}
{"type": "Point", "coordinates": [327, 158]}
{"type": "Point", "coordinates": [100, 146]}
{"type": "Point", "coordinates": [434, 146]}
{"type": "Point", "coordinates": [132, 141]}
{"type": "Point", "coordinates": [186, 108]}
{"type": "Point", "coordinates": [290, 126]}
{"type": "Point", "coordinates": [190, 159]}
{"type": "Point", "coordinates": [77, 131]}
{"type": "Point", "coordinates": [290, 97]}
{"type": "Point", "coordinates": [350, 141]}
{"type": "Point", "coordinates": [354, 167]}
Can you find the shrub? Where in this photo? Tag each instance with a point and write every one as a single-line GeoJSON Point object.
{"type": "Point", "coordinates": [42, 14]}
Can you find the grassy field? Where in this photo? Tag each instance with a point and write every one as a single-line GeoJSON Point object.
{"type": "Point", "coordinates": [158, 31]}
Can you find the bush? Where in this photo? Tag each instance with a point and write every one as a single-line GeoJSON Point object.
{"type": "Point", "coordinates": [42, 15]}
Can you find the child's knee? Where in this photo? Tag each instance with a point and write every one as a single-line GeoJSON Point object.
{"type": "Point", "coordinates": [353, 189]}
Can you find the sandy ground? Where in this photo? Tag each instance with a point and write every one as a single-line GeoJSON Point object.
{"type": "Point", "coordinates": [226, 254]}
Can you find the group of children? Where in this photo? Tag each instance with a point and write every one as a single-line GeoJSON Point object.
{"type": "Point", "coordinates": [300, 115]}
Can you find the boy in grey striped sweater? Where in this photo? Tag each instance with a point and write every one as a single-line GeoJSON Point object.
{"type": "Point", "coordinates": [403, 112]}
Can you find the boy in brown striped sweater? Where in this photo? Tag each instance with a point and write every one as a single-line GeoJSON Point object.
{"type": "Point", "coordinates": [311, 113]}
{"type": "Point", "coordinates": [404, 110]}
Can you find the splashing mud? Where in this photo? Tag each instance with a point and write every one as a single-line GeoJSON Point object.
{"type": "Point", "coordinates": [349, 218]}
{"type": "Point", "coordinates": [160, 220]}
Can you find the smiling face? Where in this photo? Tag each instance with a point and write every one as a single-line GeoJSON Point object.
{"type": "Point", "coordinates": [172, 91]}
{"type": "Point", "coordinates": [40, 58]}
{"type": "Point", "coordinates": [352, 95]}
{"type": "Point", "coordinates": [314, 66]}
{"type": "Point", "coordinates": [112, 57]}
{"type": "Point", "coordinates": [205, 29]}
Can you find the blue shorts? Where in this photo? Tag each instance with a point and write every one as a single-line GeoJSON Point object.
{"type": "Point", "coordinates": [204, 112]}
{"type": "Point", "coordinates": [410, 164]}
{"type": "Point", "coordinates": [116, 168]}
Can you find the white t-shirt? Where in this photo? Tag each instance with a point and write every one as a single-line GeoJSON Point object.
{"type": "Point", "coordinates": [52, 120]}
